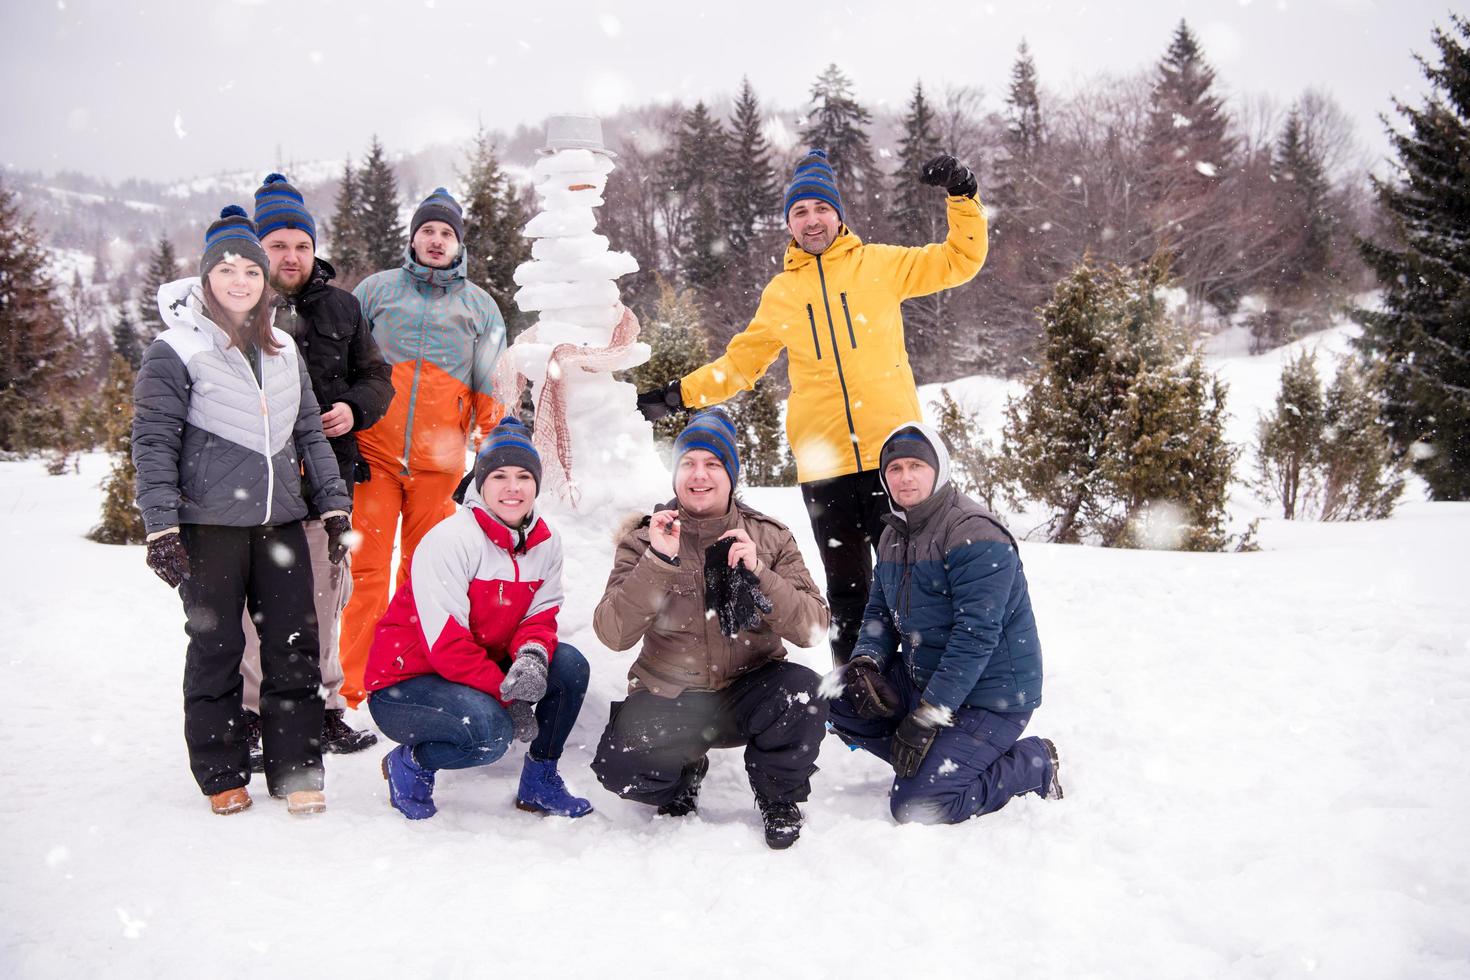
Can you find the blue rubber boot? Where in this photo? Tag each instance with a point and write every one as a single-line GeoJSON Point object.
{"type": "Point", "coordinates": [410, 786]}
{"type": "Point", "coordinates": [542, 791]}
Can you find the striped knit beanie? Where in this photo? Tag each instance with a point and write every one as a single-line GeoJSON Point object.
{"type": "Point", "coordinates": [439, 206]}
{"type": "Point", "coordinates": [279, 205]}
{"type": "Point", "coordinates": [908, 443]}
{"type": "Point", "coordinates": [232, 235]}
{"type": "Point", "coordinates": [712, 431]}
{"type": "Point", "coordinates": [813, 180]}
{"type": "Point", "coordinates": [509, 444]}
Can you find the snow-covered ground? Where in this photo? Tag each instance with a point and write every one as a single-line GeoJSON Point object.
{"type": "Point", "coordinates": [1262, 756]}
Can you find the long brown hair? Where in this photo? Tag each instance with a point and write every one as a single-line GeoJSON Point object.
{"type": "Point", "coordinates": [257, 331]}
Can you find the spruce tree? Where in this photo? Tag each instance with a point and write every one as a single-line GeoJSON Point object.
{"type": "Point", "coordinates": [494, 214]}
{"type": "Point", "coordinates": [1024, 133]}
{"type": "Point", "coordinates": [971, 459]}
{"type": "Point", "coordinates": [751, 193]}
{"type": "Point", "coordinates": [125, 342]}
{"type": "Point", "coordinates": [1421, 333]}
{"type": "Point", "coordinates": [764, 458]}
{"type": "Point", "coordinates": [383, 236]}
{"type": "Point", "coordinates": [1360, 478]}
{"type": "Point", "coordinates": [163, 268]}
{"type": "Point", "coordinates": [348, 249]}
{"type": "Point", "coordinates": [836, 123]}
{"type": "Point", "coordinates": [677, 336]}
{"type": "Point", "coordinates": [1289, 440]}
{"type": "Point", "coordinates": [122, 522]}
{"type": "Point", "coordinates": [695, 176]}
{"type": "Point", "coordinates": [915, 215]}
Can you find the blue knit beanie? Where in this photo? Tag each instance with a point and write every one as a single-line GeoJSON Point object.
{"type": "Point", "coordinates": [813, 180]}
{"type": "Point", "coordinates": [232, 234]}
{"type": "Point", "coordinates": [279, 205]}
{"type": "Point", "coordinates": [509, 444]}
{"type": "Point", "coordinates": [439, 206]}
{"type": "Point", "coordinates": [712, 431]}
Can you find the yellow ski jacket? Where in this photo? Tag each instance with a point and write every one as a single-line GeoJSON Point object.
{"type": "Point", "coordinates": [837, 315]}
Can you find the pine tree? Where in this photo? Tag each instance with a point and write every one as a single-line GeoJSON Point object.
{"type": "Point", "coordinates": [349, 251]}
{"type": "Point", "coordinates": [679, 346]}
{"type": "Point", "coordinates": [1120, 430]}
{"type": "Point", "coordinates": [1360, 478]}
{"type": "Point", "coordinates": [125, 342]}
{"type": "Point", "coordinates": [1024, 131]}
{"type": "Point", "coordinates": [383, 236]}
{"type": "Point", "coordinates": [1289, 440]}
{"type": "Point", "coordinates": [917, 218]}
{"type": "Point", "coordinates": [494, 214]}
{"type": "Point", "coordinates": [122, 522]}
{"type": "Point", "coordinates": [836, 124]}
{"type": "Point", "coordinates": [765, 460]}
{"type": "Point", "coordinates": [38, 357]}
{"type": "Point", "coordinates": [971, 459]}
{"type": "Point", "coordinates": [163, 268]}
{"type": "Point", "coordinates": [695, 176]}
{"type": "Point", "coordinates": [751, 194]}
{"type": "Point", "coordinates": [1421, 334]}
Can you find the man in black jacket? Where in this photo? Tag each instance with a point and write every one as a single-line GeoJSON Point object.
{"type": "Point", "coordinates": [353, 384]}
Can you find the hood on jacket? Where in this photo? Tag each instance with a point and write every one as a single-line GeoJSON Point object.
{"type": "Point", "coordinates": [436, 277]}
{"type": "Point", "coordinates": [931, 436]}
{"type": "Point", "coordinates": [796, 256]}
{"type": "Point", "coordinates": [181, 304]}
{"type": "Point", "coordinates": [474, 500]}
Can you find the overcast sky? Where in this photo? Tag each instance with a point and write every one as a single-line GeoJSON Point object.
{"type": "Point", "coordinates": [175, 88]}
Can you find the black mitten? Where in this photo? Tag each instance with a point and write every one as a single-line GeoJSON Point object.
{"type": "Point", "coordinates": [658, 402]}
{"type": "Point", "coordinates": [718, 584]}
{"type": "Point", "coordinates": [945, 171]}
{"type": "Point", "coordinates": [748, 603]}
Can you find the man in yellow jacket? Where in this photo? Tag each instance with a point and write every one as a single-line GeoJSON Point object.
{"type": "Point", "coordinates": [835, 310]}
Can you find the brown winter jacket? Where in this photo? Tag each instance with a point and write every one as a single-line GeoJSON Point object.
{"type": "Point", "coordinates": [662, 604]}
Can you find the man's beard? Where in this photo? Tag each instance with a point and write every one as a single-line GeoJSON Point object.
{"type": "Point", "coordinates": [291, 289]}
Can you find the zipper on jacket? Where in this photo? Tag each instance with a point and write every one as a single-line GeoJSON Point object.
{"type": "Point", "coordinates": [413, 392]}
{"type": "Point", "coordinates": [815, 342]}
{"type": "Point", "coordinates": [852, 338]}
{"type": "Point", "coordinates": [265, 424]}
{"type": "Point", "coordinates": [841, 381]}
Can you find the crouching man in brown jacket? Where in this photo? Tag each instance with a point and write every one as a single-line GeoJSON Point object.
{"type": "Point", "coordinates": [712, 588]}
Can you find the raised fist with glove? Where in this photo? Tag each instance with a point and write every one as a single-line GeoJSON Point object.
{"type": "Point", "coordinates": [914, 736]}
{"type": "Point", "coordinates": [945, 171]}
{"type": "Point", "coordinates": [167, 557]}
{"type": "Point", "coordinates": [659, 402]}
{"type": "Point", "coordinates": [524, 685]}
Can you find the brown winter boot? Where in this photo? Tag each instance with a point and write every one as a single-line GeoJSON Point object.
{"type": "Point", "coordinates": [305, 801]}
{"type": "Point", "coordinates": [230, 801]}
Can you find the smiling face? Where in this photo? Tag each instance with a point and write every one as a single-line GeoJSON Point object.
{"type": "Point", "coordinates": [436, 245]}
{"type": "Point", "coordinates": [910, 481]}
{"type": "Point", "coordinates": [701, 484]}
{"type": "Point", "coordinates": [291, 255]}
{"type": "Point", "coordinates": [814, 224]}
{"type": "Point", "coordinates": [510, 493]}
{"type": "Point", "coordinates": [236, 285]}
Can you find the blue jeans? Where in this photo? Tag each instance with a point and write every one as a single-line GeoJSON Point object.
{"type": "Point", "coordinates": [973, 767]}
{"type": "Point", "coordinates": [454, 726]}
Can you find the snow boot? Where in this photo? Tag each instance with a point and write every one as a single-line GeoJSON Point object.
{"type": "Point", "coordinates": [306, 801]}
{"type": "Point", "coordinates": [410, 785]}
{"type": "Point", "coordinates": [542, 791]}
{"type": "Point", "coordinates": [686, 801]}
{"type": "Point", "coordinates": [1053, 788]}
{"type": "Point", "coordinates": [342, 738]}
{"type": "Point", "coordinates": [252, 739]}
{"type": "Point", "coordinates": [230, 801]}
{"type": "Point", "coordinates": [783, 822]}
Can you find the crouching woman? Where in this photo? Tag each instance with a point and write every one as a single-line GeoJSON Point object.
{"type": "Point", "coordinates": [466, 658]}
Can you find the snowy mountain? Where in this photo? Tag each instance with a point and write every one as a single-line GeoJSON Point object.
{"type": "Point", "coordinates": [1261, 755]}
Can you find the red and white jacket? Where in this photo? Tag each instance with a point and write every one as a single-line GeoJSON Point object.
{"type": "Point", "coordinates": [477, 595]}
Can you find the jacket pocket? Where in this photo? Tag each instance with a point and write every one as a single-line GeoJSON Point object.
{"type": "Point", "coordinates": [851, 337]}
{"type": "Point", "coordinates": [812, 319]}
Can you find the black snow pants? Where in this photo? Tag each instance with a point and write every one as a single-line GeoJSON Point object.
{"type": "Point", "coordinates": [847, 519]}
{"type": "Point", "coordinates": [267, 570]}
{"type": "Point", "coordinates": [773, 711]}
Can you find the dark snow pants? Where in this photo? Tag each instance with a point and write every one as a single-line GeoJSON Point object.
{"type": "Point", "coordinates": [972, 768]}
{"type": "Point", "coordinates": [773, 711]}
{"type": "Point", "coordinates": [266, 570]}
{"type": "Point", "coordinates": [846, 513]}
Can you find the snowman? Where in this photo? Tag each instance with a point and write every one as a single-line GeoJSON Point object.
{"type": "Point", "coordinates": [597, 450]}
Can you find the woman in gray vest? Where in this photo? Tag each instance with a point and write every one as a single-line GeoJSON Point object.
{"type": "Point", "coordinates": [224, 427]}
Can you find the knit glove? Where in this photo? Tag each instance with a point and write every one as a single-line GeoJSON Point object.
{"type": "Point", "coordinates": [526, 679]}
{"type": "Point", "coordinates": [167, 557]}
{"type": "Point", "coordinates": [867, 690]}
{"type": "Point", "coordinates": [733, 594]}
{"type": "Point", "coordinates": [523, 719]}
{"type": "Point", "coordinates": [337, 526]}
{"type": "Point", "coordinates": [914, 736]}
{"type": "Point", "coordinates": [658, 402]}
{"type": "Point", "coordinates": [947, 172]}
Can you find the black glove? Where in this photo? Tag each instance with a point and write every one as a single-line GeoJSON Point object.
{"type": "Point", "coordinates": [733, 594]}
{"type": "Point", "coordinates": [168, 559]}
{"type": "Point", "coordinates": [947, 172]}
{"type": "Point", "coordinates": [912, 739]}
{"type": "Point", "coordinates": [868, 690]}
{"type": "Point", "coordinates": [336, 525]}
{"type": "Point", "coordinates": [748, 602]}
{"type": "Point", "coordinates": [659, 402]}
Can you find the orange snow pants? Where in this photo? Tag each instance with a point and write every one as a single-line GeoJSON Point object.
{"type": "Point", "coordinates": [422, 498]}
